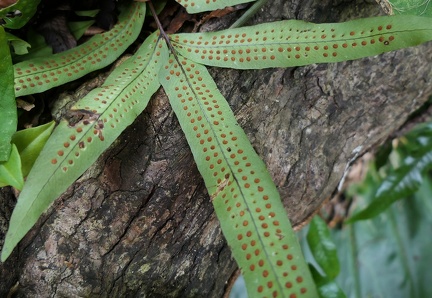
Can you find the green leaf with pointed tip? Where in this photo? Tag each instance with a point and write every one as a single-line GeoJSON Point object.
{"type": "Point", "coordinates": [79, 28]}
{"type": "Point", "coordinates": [10, 170]}
{"type": "Point", "coordinates": [20, 47]}
{"type": "Point", "coordinates": [322, 247]}
{"type": "Point", "coordinates": [195, 6]}
{"type": "Point", "coordinates": [8, 112]}
{"type": "Point", "coordinates": [87, 13]}
{"type": "Point", "coordinates": [102, 115]}
{"type": "Point", "coordinates": [40, 74]}
{"type": "Point", "coordinates": [245, 199]}
{"type": "Point", "coordinates": [17, 15]}
{"type": "Point", "coordinates": [30, 142]}
{"type": "Point", "coordinates": [38, 48]}
{"type": "Point", "coordinates": [296, 43]}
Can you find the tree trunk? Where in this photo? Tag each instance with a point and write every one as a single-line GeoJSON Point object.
{"type": "Point", "coordinates": [139, 222]}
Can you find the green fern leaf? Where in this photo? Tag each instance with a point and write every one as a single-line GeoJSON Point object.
{"type": "Point", "coordinates": [195, 6]}
{"type": "Point", "coordinates": [244, 196]}
{"type": "Point", "coordinates": [10, 170]}
{"type": "Point", "coordinates": [30, 142]}
{"type": "Point", "coordinates": [40, 74]}
{"type": "Point", "coordinates": [73, 147]}
{"type": "Point", "coordinates": [18, 14]}
{"type": "Point", "coordinates": [9, 118]}
{"type": "Point", "coordinates": [296, 43]}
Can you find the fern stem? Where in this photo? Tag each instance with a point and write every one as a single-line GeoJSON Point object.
{"type": "Point", "coordinates": [248, 14]}
{"type": "Point", "coordinates": [353, 263]}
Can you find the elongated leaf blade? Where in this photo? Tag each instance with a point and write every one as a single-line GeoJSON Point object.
{"type": "Point", "coordinates": [296, 43]}
{"type": "Point", "coordinates": [400, 184]}
{"type": "Point", "coordinates": [244, 196]}
{"type": "Point", "coordinates": [322, 247]}
{"type": "Point", "coordinates": [195, 6]}
{"type": "Point", "coordinates": [40, 74]}
{"type": "Point", "coordinates": [8, 110]}
{"type": "Point", "coordinates": [73, 147]}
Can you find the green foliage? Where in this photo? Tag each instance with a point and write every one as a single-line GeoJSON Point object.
{"type": "Point", "coordinates": [18, 14]}
{"type": "Point", "coordinates": [195, 6]}
{"type": "Point", "coordinates": [322, 247]}
{"type": "Point", "coordinates": [324, 254]}
{"type": "Point", "coordinates": [40, 74]}
{"type": "Point", "coordinates": [388, 255]}
{"type": "Point", "coordinates": [73, 147]}
{"type": "Point", "coordinates": [412, 7]}
{"type": "Point", "coordinates": [30, 142]}
{"type": "Point", "coordinates": [245, 199]}
{"type": "Point", "coordinates": [296, 43]}
{"type": "Point", "coordinates": [10, 170]}
{"type": "Point", "coordinates": [414, 154]}
{"type": "Point", "coordinates": [8, 119]}
{"type": "Point", "coordinates": [327, 288]}
{"type": "Point", "coordinates": [393, 245]}
{"type": "Point", "coordinates": [244, 196]}
{"type": "Point", "coordinates": [19, 46]}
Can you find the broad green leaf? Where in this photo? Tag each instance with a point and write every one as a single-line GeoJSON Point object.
{"type": "Point", "coordinates": [10, 170]}
{"type": "Point", "coordinates": [246, 201]}
{"type": "Point", "coordinates": [405, 180]}
{"type": "Point", "coordinates": [30, 142]}
{"type": "Point", "coordinates": [389, 256]}
{"type": "Point", "coordinates": [322, 247]}
{"type": "Point", "coordinates": [20, 47]}
{"type": "Point", "coordinates": [296, 43]}
{"type": "Point", "coordinates": [100, 117]}
{"type": "Point", "coordinates": [18, 14]}
{"type": "Point", "coordinates": [195, 6]}
{"type": "Point", "coordinates": [38, 47]}
{"type": "Point", "coordinates": [40, 74]}
{"type": "Point", "coordinates": [327, 288]}
{"type": "Point", "coordinates": [402, 183]}
{"type": "Point", "coordinates": [8, 112]}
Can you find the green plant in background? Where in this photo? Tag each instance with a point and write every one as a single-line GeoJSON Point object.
{"type": "Point", "coordinates": [385, 250]}
{"type": "Point", "coordinates": [412, 7]}
{"type": "Point", "coordinates": [405, 171]}
{"type": "Point", "coordinates": [245, 199]}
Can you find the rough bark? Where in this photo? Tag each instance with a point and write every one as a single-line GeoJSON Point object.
{"type": "Point", "coordinates": [139, 223]}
